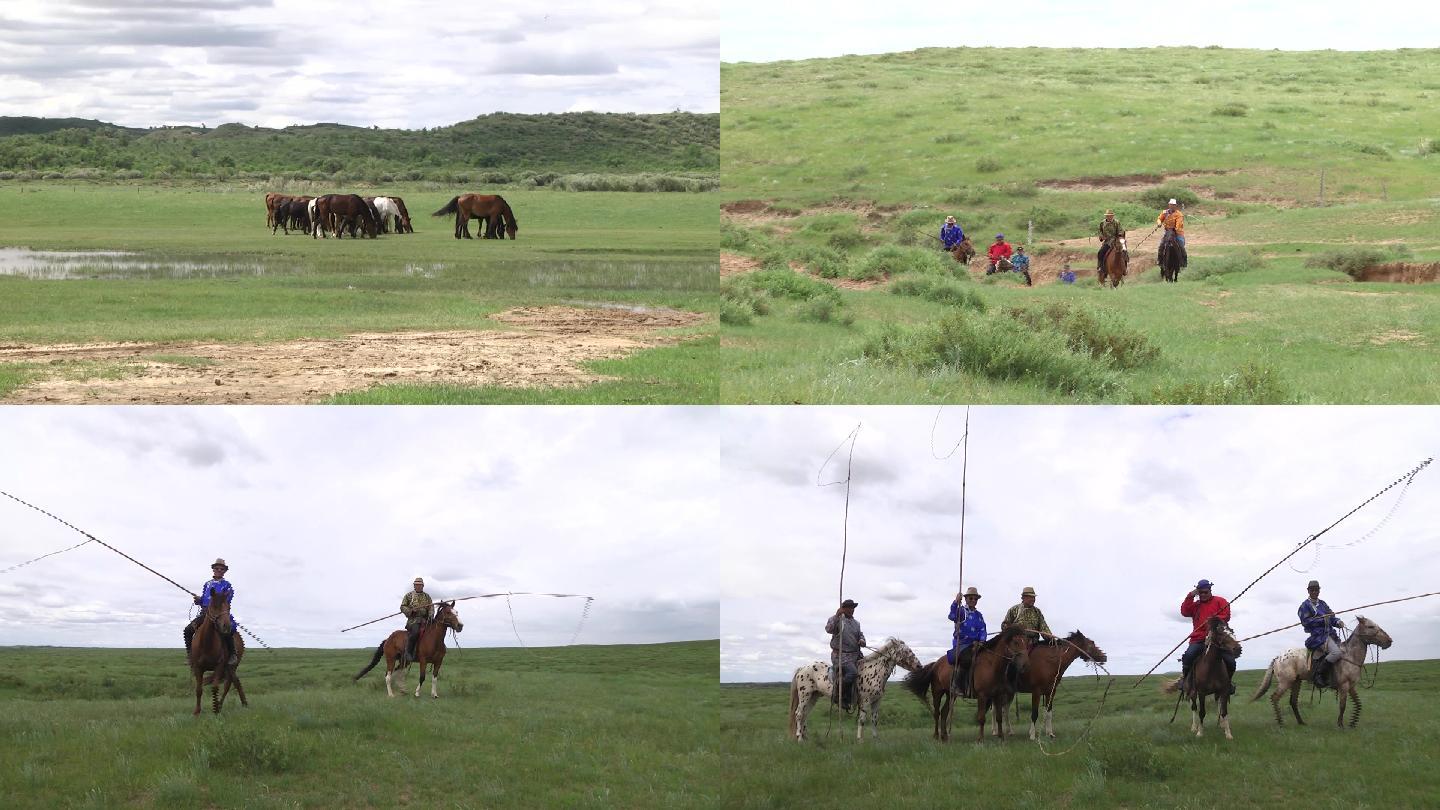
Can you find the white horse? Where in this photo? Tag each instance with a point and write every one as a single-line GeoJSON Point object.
{"type": "Point", "coordinates": [812, 682]}
{"type": "Point", "coordinates": [317, 228]}
{"type": "Point", "coordinates": [1291, 668]}
{"type": "Point", "coordinates": [387, 209]}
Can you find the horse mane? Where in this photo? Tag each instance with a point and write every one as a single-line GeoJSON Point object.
{"type": "Point", "coordinates": [1004, 638]}
{"type": "Point", "coordinates": [888, 646]}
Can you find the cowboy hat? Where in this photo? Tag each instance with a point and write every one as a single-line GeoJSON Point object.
{"type": "Point", "coordinates": [850, 603]}
{"type": "Point", "coordinates": [1029, 591]}
{"type": "Point", "coordinates": [1313, 585]}
{"type": "Point", "coordinates": [970, 591]}
{"type": "Point", "coordinates": [418, 581]}
{"type": "Point", "coordinates": [949, 219]}
{"type": "Point", "coordinates": [1109, 213]}
{"type": "Point", "coordinates": [219, 563]}
{"type": "Point", "coordinates": [1172, 201]}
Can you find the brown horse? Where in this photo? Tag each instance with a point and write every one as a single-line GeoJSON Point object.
{"type": "Point", "coordinates": [272, 200]}
{"type": "Point", "coordinates": [1209, 676]}
{"type": "Point", "coordinates": [341, 212]}
{"type": "Point", "coordinates": [1117, 261]}
{"type": "Point", "coordinates": [1045, 666]}
{"type": "Point", "coordinates": [963, 251]}
{"type": "Point", "coordinates": [206, 653]}
{"type": "Point", "coordinates": [998, 665]}
{"type": "Point", "coordinates": [429, 649]}
{"type": "Point", "coordinates": [1292, 668]}
{"type": "Point", "coordinates": [491, 208]}
{"type": "Point", "coordinates": [1170, 258]}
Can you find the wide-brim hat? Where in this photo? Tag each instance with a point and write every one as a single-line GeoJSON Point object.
{"type": "Point", "coordinates": [1203, 585]}
{"type": "Point", "coordinates": [418, 581]}
{"type": "Point", "coordinates": [1172, 201]}
{"type": "Point", "coordinates": [1109, 213]}
{"type": "Point", "coordinates": [219, 563]}
{"type": "Point", "coordinates": [970, 591]}
{"type": "Point", "coordinates": [850, 603]}
{"type": "Point", "coordinates": [1028, 591]}
{"type": "Point", "coordinates": [1313, 584]}
{"type": "Point", "coordinates": [949, 219]}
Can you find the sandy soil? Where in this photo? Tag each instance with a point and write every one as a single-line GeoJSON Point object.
{"type": "Point", "coordinates": [545, 349]}
{"type": "Point", "coordinates": [1402, 272]}
{"type": "Point", "coordinates": [733, 264]}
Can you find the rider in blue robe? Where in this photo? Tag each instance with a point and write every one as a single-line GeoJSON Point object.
{"type": "Point", "coordinates": [1315, 617]}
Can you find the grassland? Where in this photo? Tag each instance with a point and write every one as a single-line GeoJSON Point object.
{"type": "Point", "coordinates": [223, 277]}
{"type": "Point", "coordinates": [828, 164]}
{"type": "Point", "coordinates": [584, 726]}
{"type": "Point", "coordinates": [1132, 756]}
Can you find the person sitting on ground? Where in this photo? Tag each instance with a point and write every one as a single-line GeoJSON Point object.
{"type": "Point", "coordinates": [1000, 251]}
{"type": "Point", "coordinates": [1067, 275]}
{"type": "Point", "coordinates": [951, 234]}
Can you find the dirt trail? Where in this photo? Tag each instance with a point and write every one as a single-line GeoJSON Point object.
{"type": "Point", "coordinates": [546, 349]}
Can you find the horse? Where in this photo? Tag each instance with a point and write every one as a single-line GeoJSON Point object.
{"type": "Point", "coordinates": [388, 208]}
{"type": "Point", "coordinates": [963, 251]}
{"type": "Point", "coordinates": [812, 681]}
{"type": "Point", "coordinates": [999, 664]}
{"type": "Point", "coordinates": [1292, 667]}
{"type": "Point", "coordinates": [341, 212]}
{"type": "Point", "coordinates": [489, 207]}
{"type": "Point", "coordinates": [205, 651]}
{"type": "Point", "coordinates": [1169, 258]}
{"type": "Point", "coordinates": [404, 214]}
{"type": "Point", "coordinates": [1210, 676]}
{"type": "Point", "coordinates": [1046, 665]}
{"type": "Point", "coordinates": [429, 649]}
{"type": "Point", "coordinates": [1117, 261]}
{"type": "Point", "coordinates": [272, 199]}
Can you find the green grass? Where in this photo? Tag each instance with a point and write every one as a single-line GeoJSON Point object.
{"type": "Point", "coordinates": [1240, 136]}
{"type": "Point", "coordinates": [1132, 757]}
{"type": "Point", "coordinates": [585, 726]}
{"type": "Point", "coordinates": [652, 250]}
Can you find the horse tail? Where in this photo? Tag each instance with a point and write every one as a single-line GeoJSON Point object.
{"type": "Point", "coordinates": [794, 701]}
{"type": "Point", "coordinates": [918, 681]}
{"type": "Point", "coordinates": [1265, 683]}
{"type": "Point", "coordinates": [450, 207]}
{"type": "Point", "coordinates": [1170, 687]}
{"type": "Point", "coordinates": [379, 653]}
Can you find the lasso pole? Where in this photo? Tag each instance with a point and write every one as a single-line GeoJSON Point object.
{"type": "Point", "coordinates": [1338, 612]}
{"type": "Point", "coordinates": [836, 638]}
{"type": "Point", "coordinates": [960, 575]}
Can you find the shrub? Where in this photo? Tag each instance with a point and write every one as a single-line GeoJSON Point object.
{"type": "Point", "coordinates": [824, 310]}
{"type": "Point", "coordinates": [1252, 384]}
{"type": "Point", "coordinates": [735, 313]}
{"type": "Point", "coordinates": [1233, 110]}
{"type": "Point", "coordinates": [1044, 217]}
{"type": "Point", "coordinates": [891, 260]}
{"type": "Point", "coordinates": [825, 262]}
{"type": "Point", "coordinates": [785, 283]}
{"type": "Point", "coordinates": [1428, 146]}
{"type": "Point", "coordinates": [1236, 263]}
{"type": "Point", "coordinates": [941, 291]}
{"type": "Point", "coordinates": [1350, 261]}
{"type": "Point", "coordinates": [1102, 336]}
{"type": "Point", "coordinates": [1160, 196]}
{"type": "Point", "coordinates": [985, 165]}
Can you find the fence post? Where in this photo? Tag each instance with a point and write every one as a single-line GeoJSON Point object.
{"type": "Point", "coordinates": [1030, 234]}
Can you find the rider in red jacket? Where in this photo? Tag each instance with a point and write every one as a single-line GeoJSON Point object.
{"type": "Point", "coordinates": [999, 249]}
{"type": "Point", "coordinates": [1199, 605]}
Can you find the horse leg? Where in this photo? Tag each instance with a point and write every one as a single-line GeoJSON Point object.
{"type": "Point", "coordinates": [199, 688]}
{"type": "Point", "coordinates": [1340, 721]}
{"type": "Point", "coordinates": [1224, 701]}
{"type": "Point", "coordinates": [229, 679]}
{"type": "Point", "coordinates": [935, 699]}
{"type": "Point", "coordinates": [981, 711]}
{"type": "Point", "coordinates": [1200, 719]}
{"type": "Point", "coordinates": [435, 681]}
{"type": "Point", "coordinates": [1050, 715]}
{"type": "Point", "coordinates": [1194, 717]}
{"type": "Point", "coordinates": [1034, 712]}
{"type": "Point", "coordinates": [1355, 715]}
{"type": "Point", "coordinates": [240, 690]}
{"type": "Point", "coordinates": [1294, 705]}
{"type": "Point", "coordinates": [421, 684]}
{"type": "Point", "coordinates": [215, 690]}
{"type": "Point", "coordinates": [389, 673]}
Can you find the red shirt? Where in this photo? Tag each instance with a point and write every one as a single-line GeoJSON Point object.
{"type": "Point", "coordinates": [1200, 613]}
{"type": "Point", "coordinates": [999, 250]}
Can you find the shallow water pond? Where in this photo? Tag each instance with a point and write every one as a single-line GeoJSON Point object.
{"type": "Point", "coordinates": [116, 264]}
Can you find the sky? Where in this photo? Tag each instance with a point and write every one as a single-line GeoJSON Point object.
{"type": "Point", "coordinates": [1111, 514]}
{"type": "Point", "coordinates": [411, 64]}
{"type": "Point", "coordinates": [766, 31]}
{"type": "Point", "coordinates": [325, 515]}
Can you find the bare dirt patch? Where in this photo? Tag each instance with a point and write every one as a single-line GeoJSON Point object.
{"type": "Point", "coordinates": [1401, 273]}
{"type": "Point", "coordinates": [733, 264]}
{"type": "Point", "coordinates": [1124, 182]}
{"type": "Point", "coordinates": [546, 349]}
{"type": "Point", "coordinates": [1396, 336]}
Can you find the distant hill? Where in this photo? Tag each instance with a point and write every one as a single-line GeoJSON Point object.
{"type": "Point", "coordinates": [505, 145]}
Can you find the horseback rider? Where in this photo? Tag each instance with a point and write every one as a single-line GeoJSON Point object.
{"type": "Point", "coordinates": [1110, 234]}
{"type": "Point", "coordinates": [969, 631]}
{"type": "Point", "coordinates": [214, 587]}
{"type": "Point", "coordinates": [418, 608]}
{"type": "Point", "coordinates": [999, 251]}
{"type": "Point", "coordinates": [846, 641]}
{"type": "Point", "coordinates": [1173, 220]}
{"type": "Point", "coordinates": [1027, 616]}
{"type": "Point", "coordinates": [1320, 623]}
{"type": "Point", "coordinates": [1020, 263]}
{"type": "Point", "coordinates": [951, 234]}
{"type": "Point", "coordinates": [1199, 605]}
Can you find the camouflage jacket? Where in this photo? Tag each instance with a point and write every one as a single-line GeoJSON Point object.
{"type": "Point", "coordinates": [417, 607]}
{"type": "Point", "coordinates": [1029, 618]}
{"type": "Point", "coordinates": [1110, 229]}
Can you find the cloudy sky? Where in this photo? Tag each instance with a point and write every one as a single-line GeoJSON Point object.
{"type": "Point", "coordinates": [325, 515]}
{"type": "Point", "coordinates": [764, 31]}
{"type": "Point", "coordinates": [409, 64]}
{"type": "Point", "coordinates": [1111, 514]}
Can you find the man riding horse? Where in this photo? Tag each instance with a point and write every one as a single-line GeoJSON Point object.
{"type": "Point", "coordinates": [1027, 616]}
{"type": "Point", "coordinates": [1199, 605]}
{"type": "Point", "coordinates": [215, 587]}
{"type": "Point", "coordinates": [1173, 220]}
{"type": "Point", "coordinates": [1320, 623]}
{"type": "Point", "coordinates": [846, 641]}
{"type": "Point", "coordinates": [1110, 235]}
{"type": "Point", "coordinates": [951, 234]}
{"type": "Point", "coordinates": [418, 608]}
{"type": "Point", "coordinates": [969, 631]}
{"type": "Point", "coordinates": [999, 251]}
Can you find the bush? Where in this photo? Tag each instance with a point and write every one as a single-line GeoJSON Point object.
{"type": "Point", "coordinates": [941, 291]}
{"type": "Point", "coordinates": [825, 262]}
{"type": "Point", "coordinates": [1350, 261]}
{"type": "Point", "coordinates": [1428, 146]}
{"type": "Point", "coordinates": [735, 313]}
{"type": "Point", "coordinates": [985, 165]}
{"type": "Point", "coordinates": [824, 310]}
{"type": "Point", "coordinates": [1233, 110]}
{"type": "Point", "coordinates": [1209, 268]}
{"type": "Point", "coordinates": [1044, 217]}
{"type": "Point", "coordinates": [1252, 384]}
{"type": "Point", "coordinates": [1160, 196]}
{"type": "Point", "coordinates": [778, 282]}
{"type": "Point", "coordinates": [992, 346]}
{"type": "Point", "coordinates": [1102, 336]}
{"type": "Point", "coordinates": [891, 260]}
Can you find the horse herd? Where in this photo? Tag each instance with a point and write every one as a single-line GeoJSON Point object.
{"type": "Point", "coordinates": [341, 214]}
{"type": "Point", "coordinates": [1012, 663]}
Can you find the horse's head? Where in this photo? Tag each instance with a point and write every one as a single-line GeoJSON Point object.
{"type": "Point", "coordinates": [446, 614]}
{"type": "Point", "coordinates": [1370, 633]}
{"type": "Point", "coordinates": [218, 610]}
{"type": "Point", "coordinates": [1219, 634]}
{"type": "Point", "coordinates": [1014, 645]}
{"type": "Point", "coordinates": [1087, 648]}
{"type": "Point", "coordinates": [900, 653]}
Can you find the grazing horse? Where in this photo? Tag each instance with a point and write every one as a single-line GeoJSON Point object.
{"type": "Point", "coordinates": [811, 682]}
{"type": "Point", "coordinates": [1210, 676]}
{"type": "Point", "coordinates": [488, 207]}
{"type": "Point", "coordinates": [389, 208]}
{"type": "Point", "coordinates": [429, 649]}
{"type": "Point", "coordinates": [1169, 259]}
{"type": "Point", "coordinates": [341, 212]}
{"type": "Point", "coordinates": [963, 251]}
{"type": "Point", "coordinates": [206, 653]}
{"type": "Point", "coordinates": [1292, 668]}
{"type": "Point", "coordinates": [998, 666]}
{"type": "Point", "coordinates": [272, 200]}
{"type": "Point", "coordinates": [1117, 261]}
{"type": "Point", "coordinates": [1045, 667]}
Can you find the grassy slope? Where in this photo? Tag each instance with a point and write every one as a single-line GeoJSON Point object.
{"type": "Point", "coordinates": [579, 726]}
{"type": "Point", "coordinates": [916, 126]}
{"type": "Point", "coordinates": [646, 249]}
{"type": "Point", "coordinates": [1132, 757]}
